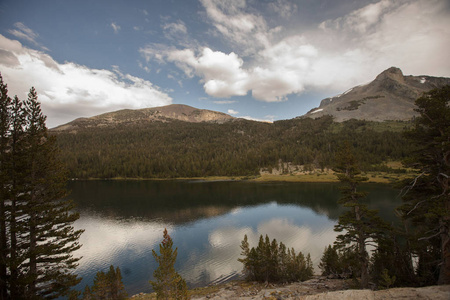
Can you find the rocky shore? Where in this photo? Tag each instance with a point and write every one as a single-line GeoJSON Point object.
{"type": "Point", "coordinates": [318, 288]}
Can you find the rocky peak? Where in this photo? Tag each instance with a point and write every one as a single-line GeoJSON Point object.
{"type": "Point", "coordinates": [392, 73]}
{"type": "Point", "coordinates": [390, 96]}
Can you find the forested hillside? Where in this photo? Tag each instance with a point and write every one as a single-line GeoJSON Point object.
{"type": "Point", "coordinates": [235, 148]}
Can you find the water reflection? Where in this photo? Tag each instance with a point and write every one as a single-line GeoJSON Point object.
{"type": "Point", "coordinates": [123, 222]}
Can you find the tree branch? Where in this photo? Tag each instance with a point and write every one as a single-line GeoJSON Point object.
{"type": "Point", "coordinates": [408, 188]}
{"type": "Point", "coordinates": [429, 237]}
{"type": "Point", "coordinates": [417, 204]}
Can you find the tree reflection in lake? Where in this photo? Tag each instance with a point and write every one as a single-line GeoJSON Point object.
{"type": "Point", "coordinates": [124, 221]}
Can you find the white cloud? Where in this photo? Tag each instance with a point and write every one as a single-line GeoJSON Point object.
{"type": "Point", "coordinates": [284, 8]}
{"type": "Point", "coordinates": [410, 34]}
{"type": "Point", "coordinates": [338, 54]}
{"type": "Point", "coordinates": [233, 112]}
{"type": "Point", "coordinates": [173, 29]}
{"type": "Point", "coordinates": [222, 74]}
{"type": "Point", "coordinates": [25, 33]}
{"type": "Point", "coordinates": [115, 27]}
{"type": "Point", "coordinates": [361, 20]}
{"type": "Point", "coordinates": [68, 90]}
{"type": "Point", "coordinates": [245, 30]}
{"type": "Point", "coordinates": [224, 101]}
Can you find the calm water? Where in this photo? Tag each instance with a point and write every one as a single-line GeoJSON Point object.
{"type": "Point", "coordinates": [124, 221]}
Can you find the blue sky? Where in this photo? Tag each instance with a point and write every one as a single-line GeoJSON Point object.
{"type": "Point", "coordinates": [264, 60]}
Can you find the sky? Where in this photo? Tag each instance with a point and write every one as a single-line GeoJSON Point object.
{"type": "Point", "coordinates": [257, 59]}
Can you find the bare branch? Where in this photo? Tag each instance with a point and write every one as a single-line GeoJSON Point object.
{"type": "Point", "coordinates": [408, 188]}
{"type": "Point", "coordinates": [417, 204]}
{"type": "Point", "coordinates": [429, 237]}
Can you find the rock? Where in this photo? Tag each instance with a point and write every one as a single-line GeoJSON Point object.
{"type": "Point", "coordinates": [322, 289]}
{"type": "Point", "coordinates": [432, 292]}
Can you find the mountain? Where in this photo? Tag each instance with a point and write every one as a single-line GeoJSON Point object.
{"type": "Point", "coordinates": [390, 96]}
{"type": "Point", "coordinates": [147, 115]}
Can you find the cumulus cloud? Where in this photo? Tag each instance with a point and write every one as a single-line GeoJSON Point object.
{"type": "Point", "coordinates": [410, 34]}
{"type": "Point", "coordinates": [337, 54]}
{"type": "Point", "coordinates": [222, 74]}
{"type": "Point", "coordinates": [245, 30]}
{"type": "Point", "coordinates": [233, 112]}
{"type": "Point", "coordinates": [69, 90]}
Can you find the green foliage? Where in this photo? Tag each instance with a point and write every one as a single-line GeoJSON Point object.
{"type": "Point", "coordinates": [342, 263]}
{"type": "Point", "coordinates": [37, 239]}
{"type": "Point", "coordinates": [106, 286]}
{"type": "Point", "coordinates": [238, 148]}
{"type": "Point", "coordinates": [392, 256]}
{"type": "Point", "coordinates": [360, 225]}
{"type": "Point", "coordinates": [273, 262]}
{"type": "Point", "coordinates": [330, 263]}
{"type": "Point", "coordinates": [427, 197]}
{"type": "Point", "coordinates": [386, 280]}
{"type": "Point", "coordinates": [168, 284]}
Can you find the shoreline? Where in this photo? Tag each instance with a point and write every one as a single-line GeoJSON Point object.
{"type": "Point", "coordinates": [313, 177]}
{"type": "Point", "coordinates": [317, 288]}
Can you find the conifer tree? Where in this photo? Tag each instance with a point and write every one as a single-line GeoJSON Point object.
{"type": "Point", "coordinates": [36, 234]}
{"type": "Point", "coordinates": [107, 286]}
{"type": "Point", "coordinates": [273, 262]}
{"type": "Point", "coordinates": [168, 284]}
{"type": "Point", "coordinates": [360, 224]}
{"type": "Point", "coordinates": [5, 123]}
{"type": "Point", "coordinates": [51, 237]}
{"type": "Point", "coordinates": [427, 196]}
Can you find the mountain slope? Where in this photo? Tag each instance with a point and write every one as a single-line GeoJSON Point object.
{"type": "Point", "coordinates": [390, 96]}
{"type": "Point", "coordinates": [163, 114]}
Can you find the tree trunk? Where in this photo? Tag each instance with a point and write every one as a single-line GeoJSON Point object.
{"type": "Point", "coordinates": [13, 265]}
{"type": "Point", "coordinates": [364, 264]}
{"type": "Point", "coordinates": [32, 256]}
{"type": "Point", "coordinates": [362, 251]}
{"type": "Point", "coordinates": [3, 251]}
{"type": "Point", "coordinates": [444, 273]}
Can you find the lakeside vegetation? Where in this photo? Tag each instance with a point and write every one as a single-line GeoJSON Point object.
{"type": "Point", "coordinates": [239, 148]}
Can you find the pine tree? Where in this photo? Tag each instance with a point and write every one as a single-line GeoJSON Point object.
{"type": "Point", "coordinates": [5, 123]}
{"type": "Point", "coordinates": [116, 285]}
{"type": "Point", "coordinates": [106, 286]}
{"type": "Point", "coordinates": [36, 234]}
{"type": "Point", "coordinates": [169, 284]}
{"type": "Point", "coordinates": [51, 237]}
{"type": "Point", "coordinates": [361, 225]}
{"type": "Point", "coordinates": [330, 263]}
{"type": "Point", "coordinates": [273, 262]}
{"type": "Point", "coordinates": [427, 196]}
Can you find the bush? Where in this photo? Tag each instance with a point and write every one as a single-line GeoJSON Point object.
{"type": "Point", "coordinates": [341, 264]}
{"type": "Point", "coordinates": [273, 262]}
{"type": "Point", "coordinates": [106, 286]}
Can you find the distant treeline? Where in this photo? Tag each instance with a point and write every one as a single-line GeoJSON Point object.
{"type": "Point", "coordinates": [237, 148]}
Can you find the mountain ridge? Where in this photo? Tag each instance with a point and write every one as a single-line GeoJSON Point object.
{"type": "Point", "coordinates": [390, 96]}
{"type": "Point", "coordinates": [180, 112]}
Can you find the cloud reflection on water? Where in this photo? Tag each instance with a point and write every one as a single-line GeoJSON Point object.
{"type": "Point", "coordinates": [220, 260]}
{"type": "Point", "coordinates": [105, 240]}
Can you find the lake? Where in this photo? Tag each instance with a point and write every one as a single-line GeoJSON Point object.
{"type": "Point", "coordinates": [124, 221]}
